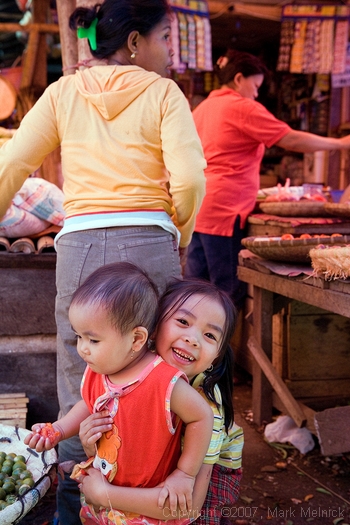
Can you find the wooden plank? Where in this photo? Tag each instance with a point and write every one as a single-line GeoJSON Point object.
{"type": "Point", "coordinates": [13, 412]}
{"type": "Point", "coordinates": [262, 390]}
{"type": "Point", "coordinates": [12, 395]}
{"type": "Point", "coordinates": [332, 426]}
{"type": "Point", "coordinates": [300, 290]}
{"type": "Point", "coordinates": [16, 406]}
{"type": "Point", "coordinates": [323, 336]}
{"type": "Point", "coordinates": [277, 383]}
{"type": "Point", "coordinates": [332, 387]}
{"type": "Point", "coordinates": [13, 422]}
{"type": "Point", "coordinates": [12, 27]}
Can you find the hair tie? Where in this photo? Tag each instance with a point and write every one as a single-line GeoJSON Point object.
{"type": "Point", "coordinates": [89, 33]}
{"type": "Point", "coordinates": [222, 61]}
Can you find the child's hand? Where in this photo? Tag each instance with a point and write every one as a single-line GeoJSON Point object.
{"type": "Point", "coordinates": [95, 488]}
{"type": "Point", "coordinates": [44, 436]}
{"type": "Point", "coordinates": [92, 428]}
{"type": "Point", "coordinates": [178, 488]}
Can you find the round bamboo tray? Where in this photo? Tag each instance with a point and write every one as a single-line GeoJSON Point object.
{"type": "Point", "coordinates": [293, 250]}
{"type": "Point", "coordinates": [338, 209]}
{"type": "Point", "coordinates": [294, 208]}
{"type": "Point", "coordinates": [43, 467]}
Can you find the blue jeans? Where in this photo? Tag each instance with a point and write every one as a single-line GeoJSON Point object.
{"type": "Point", "coordinates": [78, 255]}
{"type": "Point", "coordinates": [215, 258]}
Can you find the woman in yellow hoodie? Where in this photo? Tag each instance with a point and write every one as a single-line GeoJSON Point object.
{"type": "Point", "coordinates": [132, 165]}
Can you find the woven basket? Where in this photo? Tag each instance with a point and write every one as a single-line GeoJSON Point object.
{"type": "Point", "coordinates": [294, 209]}
{"type": "Point", "coordinates": [42, 466]}
{"type": "Point", "coordinates": [293, 250]}
{"type": "Point", "coordinates": [338, 209]}
{"type": "Point", "coordinates": [331, 262]}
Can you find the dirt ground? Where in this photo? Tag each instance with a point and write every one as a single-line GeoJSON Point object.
{"type": "Point", "coordinates": [276, 490]}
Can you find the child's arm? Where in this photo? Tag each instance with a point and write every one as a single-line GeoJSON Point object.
{"type": "Point", "coordinates": [64, 428]}
{"type": "Point", "coordinates": [198, 418]}
{"type": "Point", "coordinates": [98, 492]}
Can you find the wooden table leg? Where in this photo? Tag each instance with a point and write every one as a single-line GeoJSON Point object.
{"type": "Point", "coordinates": [262, 319]}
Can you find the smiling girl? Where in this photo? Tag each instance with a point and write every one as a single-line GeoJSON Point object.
{"type": "Point", "coordinates": [194, 328]}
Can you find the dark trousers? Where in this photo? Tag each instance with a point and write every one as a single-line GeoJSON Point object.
{"type": "Point", "coordinates": [215, 258]}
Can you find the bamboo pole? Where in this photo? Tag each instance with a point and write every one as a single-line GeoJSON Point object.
{"type": "Point", "coordinates": [83, 46]}
{"type": "Point", "coordinates": [11, 27]}
{"type": "Point", "coordinates": [30, 59]}
{"type": "Point", "coordinates": [69, 45]}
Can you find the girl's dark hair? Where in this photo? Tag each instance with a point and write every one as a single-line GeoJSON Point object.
{"type": "Point", "coordinates": [176, 293]}
{"type": "Point", "coordinates": [234, 62]}
{"type": "Point", "coordinates": [116, 19]}
{"type": "Point", "coordinates": [125, 292]}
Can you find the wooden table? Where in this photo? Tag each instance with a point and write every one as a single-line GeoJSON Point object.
{"type": "Point", "coordinates": [269, 291]}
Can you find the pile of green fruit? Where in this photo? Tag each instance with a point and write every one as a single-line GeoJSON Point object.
{"type": "Point", "coordinates": [15, 478]}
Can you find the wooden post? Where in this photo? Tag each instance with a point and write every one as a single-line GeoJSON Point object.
{"type": "Point", "coordinates": [262, 321]}
{"type": "Point", "coordinates": [83, 45]}
{"type": "Point", "coordinates": [41, 10]}
{"type": "Point", "coordinates": [30, 59]}
{"type": "Point", "coordinates": [277, 382]}
{"type": "Point", "coordinates": [69, 44]}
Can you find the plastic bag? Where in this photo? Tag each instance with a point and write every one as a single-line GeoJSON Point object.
{"type": "Point", "coordinates": [284, 430]}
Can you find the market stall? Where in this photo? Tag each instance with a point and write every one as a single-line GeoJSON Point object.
{"type": "Point", "coordinates": [297, 268]}
{"type": "Point", "coordinates": [318, 364]}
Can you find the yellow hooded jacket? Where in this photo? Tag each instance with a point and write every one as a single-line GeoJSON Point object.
{"type": "Point", "coordinates": [128, 142]}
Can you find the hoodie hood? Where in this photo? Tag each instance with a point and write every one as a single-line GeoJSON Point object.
{"type": "Point", "coordinates": [112, 88]}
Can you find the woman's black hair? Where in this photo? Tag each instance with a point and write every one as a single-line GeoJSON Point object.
{"type": "Point", "coordinates": [176, 293]}
{"type": "Point", "coordinates": [234, 62]}
{"type": "Point", "coordinates": [116, 19]}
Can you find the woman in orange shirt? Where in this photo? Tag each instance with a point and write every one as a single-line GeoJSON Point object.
{"type": "Point", "coordinates": [234, 129]}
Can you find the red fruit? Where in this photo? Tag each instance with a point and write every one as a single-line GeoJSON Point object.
{"type": "Point", "coordinates": [287, 237]}
{"type": "Point", "coordinates": [48, 431]}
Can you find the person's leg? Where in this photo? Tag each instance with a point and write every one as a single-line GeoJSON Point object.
{"type": "Point", "coordinates": [196, 262]}
{"type": "Point", "coordinates": [78, 255]}
{"type": "Point", "coordinates": [223, 492]}
{"type": "Point", "coordinates": [221, 254]}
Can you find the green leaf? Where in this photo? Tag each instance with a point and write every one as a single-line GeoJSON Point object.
{"type": "Point", "coordinates": [324, 491]}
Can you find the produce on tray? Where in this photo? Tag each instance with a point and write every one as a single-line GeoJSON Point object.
{"type": "Point", "coordinates": [290, 236]}
{"type": "Point", "coordinates": [15, 478]}
{"type": "Point", "coordinates": [285, 194]}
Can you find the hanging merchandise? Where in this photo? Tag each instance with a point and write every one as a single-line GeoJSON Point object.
{"type": "Point", "coordinates": [340, 46]}
{"type": "Point", "coordinates": [191, 35]}
{"type": "Point", "coordinates": [175, 39]}
{"type": "Point", "coordinates": [192, 54]}
{"type": "Point", "coordinates": [314, 38]}
{"type": "Point", "coordinates": [296, 61]}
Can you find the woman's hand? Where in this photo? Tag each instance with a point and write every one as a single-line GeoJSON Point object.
{"type": "Point", "coordinates": [92, 428]}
